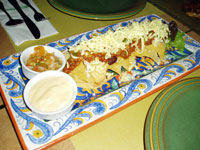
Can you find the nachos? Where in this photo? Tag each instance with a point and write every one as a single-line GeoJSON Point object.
{"type": "Point", "coordinates": [89, 62]}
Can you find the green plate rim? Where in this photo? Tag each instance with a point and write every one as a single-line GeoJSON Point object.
{"type": "Point", "coordinates": [156, 111]}
{"type": "Point", "coordinates": [92, 16]}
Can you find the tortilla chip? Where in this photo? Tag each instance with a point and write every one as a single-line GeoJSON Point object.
{"type": "Point", "coordinates": [89, 80]}
{"type": "Point", "coordinates": [161, 50]}
{"type": "Point", "coordinates": [154, 52]}
{"type": "Point", "coordinates": [126, 63]}
{"type": "Point", "coordinates": [97, 77]}
{"type": "Point", "coordinates": [80, 76]}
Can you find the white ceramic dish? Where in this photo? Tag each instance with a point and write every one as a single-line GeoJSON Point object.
{"type": "Point", "coordinates": [53, 114]}
{"type": "Point", "coordinates": [26, 53]}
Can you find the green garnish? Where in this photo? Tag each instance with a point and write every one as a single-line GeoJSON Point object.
{"type": "Point", "coordinates": [178, 42]}
{"type": "Point", "coordinates": [125, 40]}
{"type": "Point", "coordinates": [112, 71]}
{"type": "Point", "coordinates": [123, 69]}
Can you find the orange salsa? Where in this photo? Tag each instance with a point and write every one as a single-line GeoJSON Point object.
{"type": "Point", "coordinates": [41, 60]}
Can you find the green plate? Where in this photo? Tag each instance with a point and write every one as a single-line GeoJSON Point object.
{"type": "Point", "coordinates": [99, 9]}
{"type": "Point", "coordinates": [173, 120]}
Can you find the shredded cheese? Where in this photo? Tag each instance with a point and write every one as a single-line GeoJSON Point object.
{"type": "Point", "coordinates": [95, 65]}
{"type": "Point", "coordinates": [111, 42]}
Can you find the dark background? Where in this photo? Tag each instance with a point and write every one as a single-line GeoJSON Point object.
{"type": "Point", "coordinates": [175, 8]}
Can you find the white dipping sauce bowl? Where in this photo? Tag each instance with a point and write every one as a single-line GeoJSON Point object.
{"type": "Point", "coordinates": [53, 114]}
{"type": "Point", "coordinates": [27, 52]}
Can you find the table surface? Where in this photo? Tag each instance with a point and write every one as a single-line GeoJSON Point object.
{"type": "Point", "coordinates": [125, 128]}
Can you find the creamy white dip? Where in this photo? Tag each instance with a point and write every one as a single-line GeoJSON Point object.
{"type": "Point", "coordinates": [51, 94]}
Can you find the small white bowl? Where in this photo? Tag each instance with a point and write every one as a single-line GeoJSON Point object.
{"type": "Point", "coordinates": [50, 115]}
{"type": "Point", "coordinates": [27, 52]}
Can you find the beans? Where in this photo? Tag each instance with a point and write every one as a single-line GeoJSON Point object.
{"type": "Point", "coordinates": [112, 60]}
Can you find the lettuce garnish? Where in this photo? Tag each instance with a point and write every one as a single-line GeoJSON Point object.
{"type": "Point", "coordinates": [178, 42]}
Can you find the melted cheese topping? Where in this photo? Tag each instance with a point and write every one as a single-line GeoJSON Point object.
{"type": "Point", "coordinates": [111, 42]}
{"type": "Point", "coordinates": [95, 66]}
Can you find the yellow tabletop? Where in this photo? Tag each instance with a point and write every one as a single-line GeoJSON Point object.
{"type": "Point", "coordinates": [123, 130]}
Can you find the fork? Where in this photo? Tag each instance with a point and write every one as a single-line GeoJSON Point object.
{"type": "Point", "coordinates": [11, 21]}
{"type": "Point", "coordinates": [30, 24]}
{"type": "Point", "coordinates": [38, 16]}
